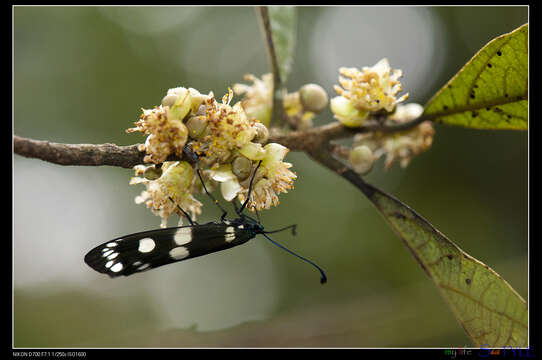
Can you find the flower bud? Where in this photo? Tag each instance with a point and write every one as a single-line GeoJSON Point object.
{"type": "Point", "coordinates": [182, 105]}
{"type": "Point", "coordinates": [169, 100]}
{"type": "Point", "coordinates": [313, 97]}
{"type": "Point", "coordinates": [196, 126]}
{"type": "Point", "coordinates": [346, 113]}
{"type": "Point", "coordinates": [196, 99]}
{"type": "Point", "coordinates": [180, 135]}
{"type": "Point", "coordinates": [152, 173]}
{"type": "Point", "coordinates": [241, 167]}
{"type": "Point", "coordinates": [406, 112]}
{"type": "Point", "coordinates": [262, 134]}
{"type": "Point", "coordinates": [202, 110]}
{"type": "Point", "coordinates": [362, 159]}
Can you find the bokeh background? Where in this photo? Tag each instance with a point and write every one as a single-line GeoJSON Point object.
{"type": "Point", "coordinates": [82, 74]}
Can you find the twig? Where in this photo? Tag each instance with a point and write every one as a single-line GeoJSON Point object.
{"type": "Point", "coordinates": [78, 154]}
{"type": "Point", "coordinates": [315, 141]}
{"type": "Point", "coordinates": [277, 113]}
{"type": "Point", "coordinates": [266, 24]}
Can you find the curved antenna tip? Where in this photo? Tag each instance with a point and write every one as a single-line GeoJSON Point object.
{"type": "Point", "coordinates": [323, 279]}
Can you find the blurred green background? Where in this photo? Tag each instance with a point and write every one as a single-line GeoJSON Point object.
{"type": "Point", "coordinates": [82, 74]}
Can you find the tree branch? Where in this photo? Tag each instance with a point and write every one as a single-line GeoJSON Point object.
{"type": "Point", "coordinates": [315, 141]}
{"type": "Point", "coordinates": [78, 154]}
{"type": "Point", "coordinates": [277, 113]}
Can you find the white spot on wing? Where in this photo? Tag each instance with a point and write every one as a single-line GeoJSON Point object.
{"type": "Point", "coordinates": [112, 244]}
{"type": "Point", "coordinates": [230, 234]}
{"type": "Point", "coordinates": [117, 267]}
{"type": "Point", "coordinates": [229, 237]}
{"type": "Point", "coordinates": [108, 264]}
{"type": "Point", "coordinates": [241, 226]}
{"type": "Point", "coordinates": [183, 236]}
{"type": "Point", "coordinates": [146, 245]}
{"type": "Point", "coordinates": [143, 267]}
{"type": "Point", "coordinates": [179, 253]}
{"type": "Point", "coordinates": [112, 256]}
{"type": "Point", "coordinates": [106, 254]}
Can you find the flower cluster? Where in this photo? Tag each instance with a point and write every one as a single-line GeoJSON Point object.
{"type": "Point", "coordinates": [167, 134]}
{"type": "Point", "coordinates": [368, 91]}
{"type": "Point", "coordinates": [271, 178]}
{"type": "Point", "coordinates": [226, 131]}
{"type": "Point", "coordinates": [172, 189]}
{"type": "Point", "coordinates": [228, 144]}
{"type": "Point", "coordinates": [300, 106]}
{"type": "Point", "coordinates": [403, 145]}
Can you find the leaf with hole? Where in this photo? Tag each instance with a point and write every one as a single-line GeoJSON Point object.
{"type": "Point", "coordinates": [490, 91]}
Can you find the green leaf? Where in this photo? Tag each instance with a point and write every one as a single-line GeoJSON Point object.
{"type": "Point", "coordinates": [490, 91]}
{"type": "Point", "coordinates": [492, 313]}
{"type": "Point", "coordinates": [283, 20]}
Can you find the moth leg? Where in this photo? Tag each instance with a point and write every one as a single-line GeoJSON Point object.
{"type": "Point", "coordinates": [258, 216]}
{"type": "Point", "coordinates": [235, 206]}
{"type": "Point", "coordinates": [224, 212]}
{"type": "Point", "coordinates": [184, 212]}
{"type": "Point", "coordinates": [249, 189]}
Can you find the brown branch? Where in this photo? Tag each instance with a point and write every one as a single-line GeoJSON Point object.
{"type": "Point", "coordinates": [267, 31]}
{"type": "Point", "coordinates": [78, 154]}
{"type": "Point", "coordinates": [315, 142]}
{"type": "Point", "coordinates": [313, 138]}
{"type": "Point", "coordinates": [277, 112]}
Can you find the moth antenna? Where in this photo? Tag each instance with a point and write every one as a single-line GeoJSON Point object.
{"type": "Point", "coordinates": [323, 279]}
{"type": "Point", "coordinates": [249, 189]}
{"type": "Point", "coordinates": [293, 227]}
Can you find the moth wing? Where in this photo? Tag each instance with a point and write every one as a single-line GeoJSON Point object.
{"type": "Point", "coordinates": [150, 249]}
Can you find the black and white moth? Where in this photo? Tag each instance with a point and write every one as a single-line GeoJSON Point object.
{"type": "Point", "coordinates": [146, 250]}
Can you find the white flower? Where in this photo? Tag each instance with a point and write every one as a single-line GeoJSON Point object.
{"type": "Point", "coordinates": [344, 111]}
{"type": "Point", "coordinates": [228, 130]}
{"type": "Point", "coordinates": [258, 99]}
{"type": "Point", "coordinates": [229, 184]}
{"type": "Point", "coordinates": [402, 145]}
{"type": "Point", "coordinates": [173, 188]}
{"type": "Point", "coordinates": [272, 178]}
{"type": "Point", "coordinates": [373, 88]}
{"type": "Point", "coordinates": [370, 90]}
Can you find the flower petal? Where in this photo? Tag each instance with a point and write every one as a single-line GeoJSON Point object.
{"type": "Point", "coordinates": [230, 189]}
{"type": "Point", "coordinates": [253, 151]}
{"type": "Point", "coordinates": [274, 153]}
{"type": "Point", "coordinates": [223, 173]}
